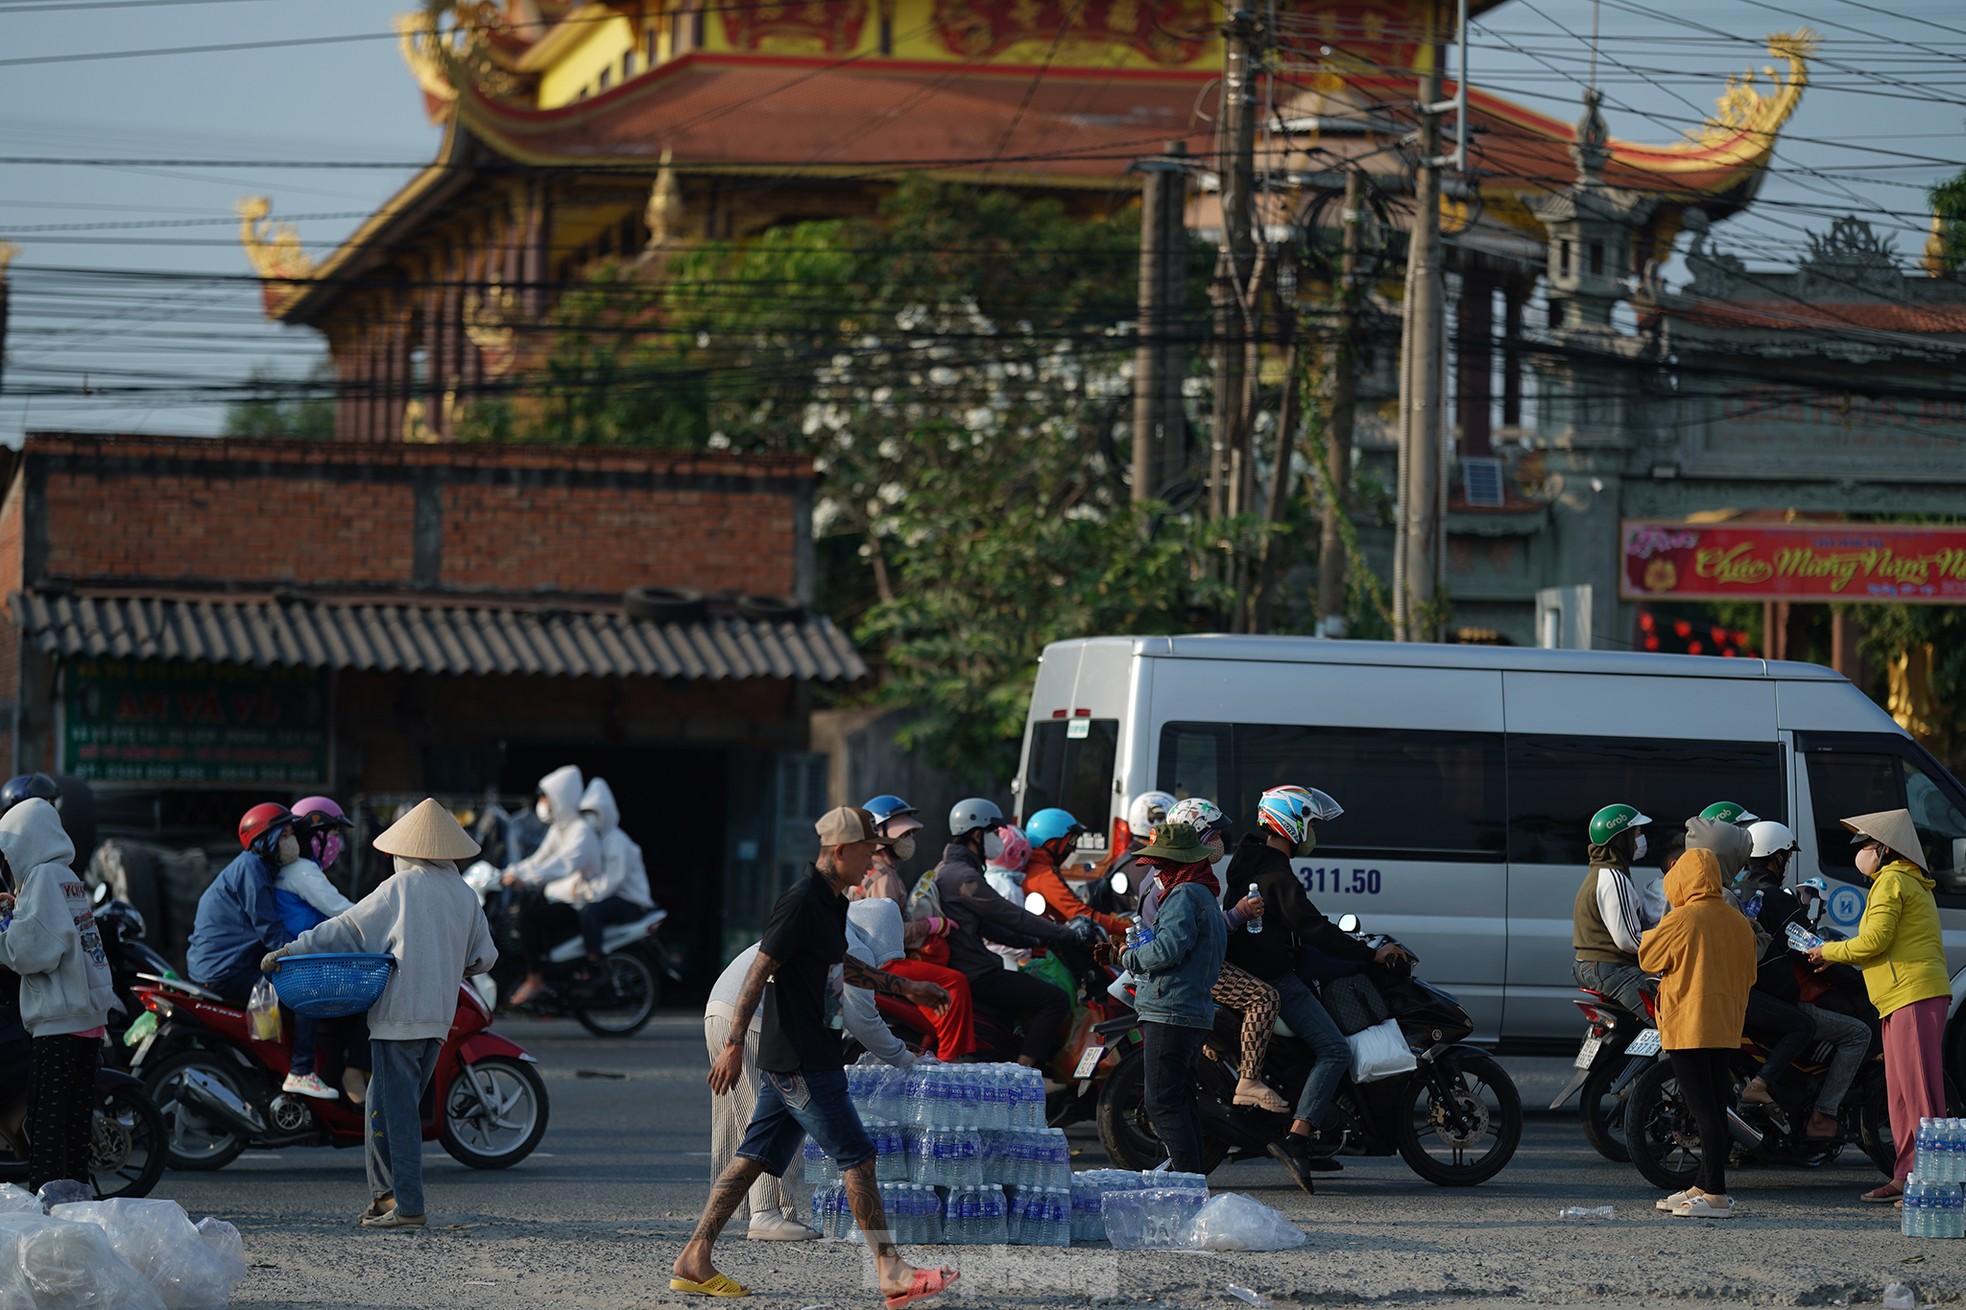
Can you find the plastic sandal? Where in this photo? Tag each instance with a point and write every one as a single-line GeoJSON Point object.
{"type": "Point", "coordinates": [929, 1283]}
{"type": "Point", "coordinates": [714, 1285]}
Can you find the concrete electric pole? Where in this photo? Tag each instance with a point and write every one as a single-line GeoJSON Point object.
{"type": "Point", "coordinates": [1420, 386]}
{"type": "Point", "coordinates": [1234, 296]}
{"type": "Point", "coordinates": [1344, 404]}
{"type": "Point", "coordinates": [1160, 362]}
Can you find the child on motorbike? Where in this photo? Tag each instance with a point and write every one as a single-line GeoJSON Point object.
{"type": "Point", "coordinates": [51, 941]}
{"type": "Point", "coordinates": [303, 897]}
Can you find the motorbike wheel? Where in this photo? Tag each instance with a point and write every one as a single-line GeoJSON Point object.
{"type": "Point", "coordinates": [1660, 1132]}
{"type": "Point", "coordinates": [1604, 1114]}
{"type": "Point", "coordinates": [1124, 1129]}
{"type": "Point", "coordinates": [504, 1129]}
{"type": "Point", "coordinates": [1464, 1123]}
{"type": "Point", "coordinates": [192, 1142]}
{"type": "Point", "coordinates": [621, 999]}
{"type": "Point", "coordinates": [127, 1148]}
{"type": "Point", "coordinates": [1874, 1127]}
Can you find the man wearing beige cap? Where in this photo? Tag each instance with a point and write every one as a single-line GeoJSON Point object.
{"type": "Point", "coordinates": [802, 1089]}
{"type": "Point", "coordinates": [430, 921]}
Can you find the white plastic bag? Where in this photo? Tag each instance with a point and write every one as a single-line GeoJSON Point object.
{"type": "Point", "coordinates": [18, 1200]}
{"type": "Point", "coordinates": [1234, 1222]}
{"type": "Point", "coordinates": [263, 1012]}
{"type": "Point", "coordinates": [63, 1265]}
{"type": "Point", "coordinates": [223, 1241]}
{"type": "Point", "coordinates": [1380, 1052]}
{"type": "Point", "coordinates": [159, 1241]}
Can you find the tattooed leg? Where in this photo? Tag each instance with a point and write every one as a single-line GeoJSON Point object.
{"type": "Point", "coordinates": [729, 1189]}
{"type": "Point", "coordinates": [863, 1194]}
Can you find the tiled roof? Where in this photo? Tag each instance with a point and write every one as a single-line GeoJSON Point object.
{"type": "Point", "coordinates": [1796, 315]}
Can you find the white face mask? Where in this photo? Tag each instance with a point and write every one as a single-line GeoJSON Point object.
{"type": "Point", "coordinates": [1639, 847]}
{"type": "Point", "coordinates": [543, 810]}
{"type": "Point", "coordinates": [1869, 861]}
{"type": "Point", "coordinates": [288, 849]}
{"type": "Point", "coordinates": [992, 845]}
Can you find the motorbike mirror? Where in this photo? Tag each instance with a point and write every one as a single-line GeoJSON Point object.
{"type": "Point", "coordinates": [1348, 923]}
{"type": "Point", "coordinates": [1121, 884]}
{"type": "Point", "coordinates": [1034, 903]}
{"type": "Point", "coordinates": [100, 895]}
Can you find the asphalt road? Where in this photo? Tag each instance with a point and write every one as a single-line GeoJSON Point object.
{"type": "Point", "coordinates": [594, 1218]}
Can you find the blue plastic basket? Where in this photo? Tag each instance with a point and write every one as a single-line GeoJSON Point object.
{"type": "Point", "coordinates": [330, 986]}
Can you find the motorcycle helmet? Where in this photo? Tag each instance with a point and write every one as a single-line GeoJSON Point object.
{"type": "Point", "coordinates": [1050, 825]}
{"type": "Point", "coordinates": [1730, 812]}
{"type": "Point", "coordinates": [1770, 838]}
{"type": "Point", "coordinates": [1614, 819]}
{"type": "Point", "coordinates": [1016, 850]}
{"type": "Point", "coordinates": [1290, 812]}
{"type": "Point", "coordinates": [37, 785]}
{"type": "Point", "coordinates": [1147, 812]}
{"type": "Point", "coordinates": [884, 808]}
{"type": "Point", "coordinates": [319, 823]}
{"type": "Point", "coordinates": [261, 826]}
{"type": "Point", "coordinates": [972, 813]}
{"type": "Point", "coordinates": [1208, 821]}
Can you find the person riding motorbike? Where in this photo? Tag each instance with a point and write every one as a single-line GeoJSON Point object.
{"type": "Point", "coordinates": [1053, 834]}
{"type": "Point", "coordinates": [1730, 812]}
{"type": "Point", "coordinates": [620, 892]}
{"type": "Point", "coordinates": [303, 897]}
{"type": "Point", "coordinates": [341, 1046]}
{"type": "Point", "coordinates": [977, 913]}
{"type": "Point", "coordinates": [1605, 921]}
{"type": "Point", "coordinates": [568, 858]}
{"type": "Point", "coordinates": [38, 786]}
{"type": "Point", "coordinates": [894, 819]}
{"type": "Point", "coordinates": [1773, 847]}
{"type": "Point", "coordinates": [238, 918]}
{"type": "Point", "coordinates": [1286, 825]}
{"type": "Point", "coordinates": [924, 935]}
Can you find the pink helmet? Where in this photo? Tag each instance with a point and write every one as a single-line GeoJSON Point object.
{"type": "Point", "coordinates": [1016, 849]}
{"type": "Point", "coordinates": [319, 822]}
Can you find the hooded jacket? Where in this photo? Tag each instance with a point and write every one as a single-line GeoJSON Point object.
{"type": "Point", "coordinates": [238, 921]}
{"type": "Point", "coordinates": [1289, 918]}
{"type": "Point", "coordinates": [969, 902]}
{"type": "Point", "coordinates": [1608, 917]}
{"type": "Point", "coordinates": [1178, 968]}
{"type": "Point", "coordinates": [1703, 952]}
{"type": "Point", "coordinates": [620, 871]}
{"type": "Point", "coordinates": [570, 847]}
{"type": "Point", "coordinates": [430, 920]}
{"type": "Point", "coordinates": [1061, 902]}
{"type": "Point", "coordinates": [873, 937]}
{"type": "Point", "coordinates": [52, 943]}
{"type": "Point", "coordinates": [1897, 943]}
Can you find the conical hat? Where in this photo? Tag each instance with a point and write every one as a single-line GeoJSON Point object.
{"type": "Point", "coordinates": [427, 832]}
{"type": "Point", "coordinates": [1895, 829]}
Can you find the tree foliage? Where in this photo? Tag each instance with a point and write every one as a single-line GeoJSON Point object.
{"type": "Point", "coordinates": [1948, 201]}
{"type": "Point", "coordinates": [281, 406]}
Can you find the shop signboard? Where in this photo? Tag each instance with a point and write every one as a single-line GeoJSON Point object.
{"type": "Point", "coordinates": [1799, 562]}
{"type": "Point", "coordinates": [173, 722]}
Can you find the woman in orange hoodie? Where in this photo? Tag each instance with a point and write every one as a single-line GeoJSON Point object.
{"type": "Point", "coordinates": [1703, 952]}
{"type": "Point", "coordinates": [1053, 834]}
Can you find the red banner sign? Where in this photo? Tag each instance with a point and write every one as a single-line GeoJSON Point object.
{"type": "Point", "coordinates": [1794, 561]}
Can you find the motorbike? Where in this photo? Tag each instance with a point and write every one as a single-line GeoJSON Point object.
{"type": "Point", "coordinates": [1455, 1118]}
{"type": "Point", "coordinates": [218, 1089]}
{"type": "Point", "coordinates": [1618, 1046]}
{"type": "Point", "coordinates": [130, 958]}
{"type": "Point", "coordinates": [126, 1135]}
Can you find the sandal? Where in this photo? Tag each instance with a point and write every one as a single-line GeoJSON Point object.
{"type": "Point", "coordinates": [1884, 1195]}
{"type": "Point", "coordinates": [714, 1285]}
{"type": "Point", "coordinates": [929, 1283]}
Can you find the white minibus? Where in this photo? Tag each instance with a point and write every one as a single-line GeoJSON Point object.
{"type": "Point", "coordinates": [1469, 774]}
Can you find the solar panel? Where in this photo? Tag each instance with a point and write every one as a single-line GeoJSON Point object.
{"type": "Point", "coordinates": [1481, 481]}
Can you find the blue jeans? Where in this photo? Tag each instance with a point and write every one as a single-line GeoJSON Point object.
{"type": "Point", "coordinates": [1308, 1018]}
{"type": "Point", "coordinates": [395, 1146]}
{"type": "Point", "coordinates": [596, 916]}
{"type": "Point", "coordinates": [1169, 1052]}
{"type": "Point", "coordinates": [791, 1105]}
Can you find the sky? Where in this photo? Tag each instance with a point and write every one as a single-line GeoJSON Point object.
{"type": "Point", "coordinates": [162, 142]}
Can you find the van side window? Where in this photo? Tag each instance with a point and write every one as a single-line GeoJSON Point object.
{"type": "Point", "coordinates": [1863, 778]}
{"type": "Point", "coordinates": [1071, 767]}
{"type": "Point", "coordinates": [1557, 783]}
{"type": "Point", "coordinates": [1407, 794]}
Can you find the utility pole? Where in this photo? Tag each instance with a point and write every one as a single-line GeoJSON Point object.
{"type": "Point", "coordinates": [1344, 405]}
{"type": "Point", "coordinates": [7, 252]}
{"type": "Point", "coordinates": [1160, 360]}
{"type": "Point", "coordinates": [1234, 295]}
{"type": "Point", "coordinates": [1420, 382]}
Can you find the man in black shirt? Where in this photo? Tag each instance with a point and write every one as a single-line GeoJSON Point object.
{"type": "Point", "coordinates": [803, 1084]}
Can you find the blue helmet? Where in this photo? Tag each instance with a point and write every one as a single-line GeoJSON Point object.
{"type": "Point", "coordinates": [884, 808]}
{"type": "Point", "coordinates": [1050, 825]}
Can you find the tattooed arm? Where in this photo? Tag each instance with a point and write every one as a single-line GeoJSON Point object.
{"type": "Point", "coordinates": [729, 1064]}
{"type": "Point", "coordinates": [925, 994]}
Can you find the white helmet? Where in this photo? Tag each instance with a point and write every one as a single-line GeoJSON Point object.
{"type": "Point", "coordinates": [973, 813]}
{"type": "Point", "coordinates": [1770, 838]}
{"type": "Point", "coordinates": [1148, 809]}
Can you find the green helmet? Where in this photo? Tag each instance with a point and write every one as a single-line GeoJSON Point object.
{"type": "Point", "coordinates": [1730, 812]}
{"type": "Point", "coordinates": [1614, 819]}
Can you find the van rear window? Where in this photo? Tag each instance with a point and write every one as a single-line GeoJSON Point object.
{"type": "Point", "coordinates": [1071, 767]}
{"type": "Point", "coordinates": [1862, 774]}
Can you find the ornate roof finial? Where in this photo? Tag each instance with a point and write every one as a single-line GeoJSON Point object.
{"type": "Point", "coordinates": [273, 248]}
{"type": "Point", "coordinates": [1592, 149]}
{"type": "Point", "coordinates": [7, 252]}
{"type": "Point", "coordinates": [664, 212]}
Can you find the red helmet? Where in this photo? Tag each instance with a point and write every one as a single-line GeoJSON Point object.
{"type": "Point", "coordinates": [261, 820]}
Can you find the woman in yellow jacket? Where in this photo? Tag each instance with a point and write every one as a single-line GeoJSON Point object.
{"type": "Point", "coordinates": [1703, 952]}
{"type": "Point", "coordinates": [1904, 962]}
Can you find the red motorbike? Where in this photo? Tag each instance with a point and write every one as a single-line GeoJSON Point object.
{"type": "Point", "coordinates": [219, 1089]}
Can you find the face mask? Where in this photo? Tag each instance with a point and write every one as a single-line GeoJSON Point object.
{"type": "Point", "coordinates": [288, 849]}
{"type": "Point", "coordinates": [543, 810]}
{"type": "Point", "coordinates": [904, 848]}
{"type": "Point", "coordinates": [1309, 844]}
{"type": "Point", "coordinates": [992, 845]}
{"type": "Point", "coordinates": [1869, 861]}
{"type": "Point", "coordinates": [1639, 847]}
{"type": "Point", "coordinates": [327, 848]}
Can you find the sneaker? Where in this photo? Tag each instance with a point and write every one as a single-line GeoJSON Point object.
{"type": "Point", "coordinates": [393, 1218]}
{"type": "Point", "coordinates": [1705, 1207]}
{"type": "Point", "coordinates": [308, 1084]}
{"type": "Point", "coordinates": [779, 1228]}
{"type": "Point", "coordinates": [1252, 1091]}
{"type": "Point", "coordinates": [1677, 1199]}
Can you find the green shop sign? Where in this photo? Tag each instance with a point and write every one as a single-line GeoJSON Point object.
{"type": "Point", "coordinates": [169, 721]}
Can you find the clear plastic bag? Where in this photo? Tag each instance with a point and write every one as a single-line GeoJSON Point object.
{"type": "Point", "coordinates": [1380, 1052]}
{"type": "Point", "coordinates": [263, 1012]}
{"type": "Point", "coordinates": [18, 1200]}
{"type": "Point", "coordinates": [159, 1241]}
{"type": "Point", "coordinates": [1233, 1222]}
{"type": "Point", "coordinates": [223, 1241]}
{"type": "Point", "coordinates": [57, 1264]}
{"type": "Point", "coordinates": [1151, 1219]}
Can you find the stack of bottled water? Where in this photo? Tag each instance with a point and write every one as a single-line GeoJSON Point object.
{"type": "Point", "coordinates": [1941, 1148]}
{"type": "Point", "coordinates": [831, 1215]}
{"type": "Point", "coordinates": [1933, 1209]}
{"type": "Point", "coordinates": [1165, 1177]}
{"type": "Point", "coordinates": [1040, 1216]}
{"type": "Point", "coordinates": [1151, 1218]}
{"type": "Point", "coordinates": [890, 1150]}
{"type": "Point", "coordinates": [976, 1216]}
{"type": "Point", "coordinates": [820, 1169]}
{"type": "Point", "coordinates": [1088, 1188]}
{"type": "Point", "coordinates": [946, 1157]}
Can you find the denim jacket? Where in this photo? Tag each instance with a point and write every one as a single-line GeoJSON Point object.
{"type": "Point", "coordinates": [1178, 968]}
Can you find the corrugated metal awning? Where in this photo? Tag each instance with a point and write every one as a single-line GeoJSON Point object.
{"type": "Point", "coordinates": [432, 636]}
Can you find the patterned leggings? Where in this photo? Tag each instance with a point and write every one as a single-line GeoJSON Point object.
{"type": "Point", "coordinates": [61, 1109]}
{"type": "Point", "coordinates": [1240, 990]}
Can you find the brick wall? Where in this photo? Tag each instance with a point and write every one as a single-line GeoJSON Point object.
{"type": "Point", "coordinates": [254, 514]}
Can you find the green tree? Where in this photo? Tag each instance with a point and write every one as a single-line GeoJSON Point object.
{"type": "Point", "coordinates": [1948, 201]}
{"type": "Point", "coordinates": [284, 406]}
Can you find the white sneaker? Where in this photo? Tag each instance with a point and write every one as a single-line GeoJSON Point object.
{"type": "Point", "coordinates": [1677, 1199]}
{"type": "Point", "coordinates": [780, 1228]}
{"type": "Point", "coordinates": [1705, 1207]}
{"type": "Point", "coordinates": [310, 1085]}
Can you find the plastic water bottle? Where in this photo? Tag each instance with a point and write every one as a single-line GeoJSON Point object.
{"type": "Point", "coordinates": [1254, 926]}
{"type": "Point", "coordinates": [1573, 1213]}
{"type": "Point", "coordinates": [1753, 907]}
{"type": "Point", "coordinates": [1801, 938]}
{"type": "Point", "coordinates": [1912, 1223]}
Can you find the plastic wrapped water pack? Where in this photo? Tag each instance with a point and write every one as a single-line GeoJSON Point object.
{"type": "Point", "coordinates": [1233, 1222]}
{"type": "Point", "coordinates": [18, 1200]}
{"type": "Point", "coordinates": [1151, 1218]}
{"type": "Point", "coordinates": [190, 1266]}
{"type": "Point", "coordinates": [58, 1264]}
